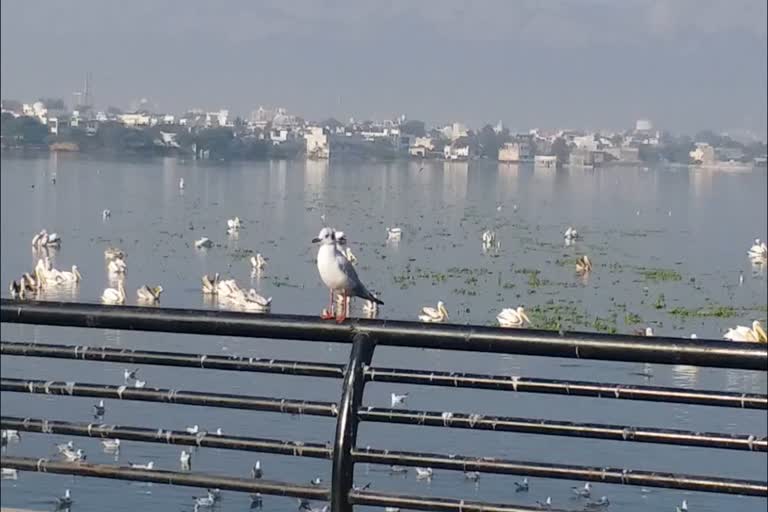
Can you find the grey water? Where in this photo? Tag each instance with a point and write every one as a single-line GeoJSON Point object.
{"type": "Point", "coordinates": [668, 247]}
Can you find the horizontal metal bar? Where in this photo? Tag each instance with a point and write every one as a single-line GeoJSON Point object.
{"type": "Point", "coordinates": [621, 476]}
{"type": "Point", "coordinates": [158, 476]}
{"type": "Point", "coordinates": [379, 499]}
{"type": "Point", "coordinates": [713, 353]}
{"type": "Point", "coordinates": [394, 375]}
{"type": "Point", "coordinates": [175, 437]}
{"type": "Point", "coordinates": [566, 428]}
{"type": "Point", "coordinates": [568, 387]}
{"type": "Point", "coordinates": [209, 361]}
{"type": "Point", "coordinates": [171, 396]}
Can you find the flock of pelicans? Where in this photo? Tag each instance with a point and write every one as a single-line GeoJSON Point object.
{"type": "Point", "coordinates": [68, 452]}
{"type": "Point", "coordinates": [336, 267]}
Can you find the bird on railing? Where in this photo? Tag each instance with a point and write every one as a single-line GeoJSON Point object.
{"type": "Point", "coordinates": [194, 429]}
{"type": "Point", "coordinates": [139, 383]}
{"type": "Point", "coordinates": [582, 492]}
{"type": "Point", "coordinates": [522, 486]}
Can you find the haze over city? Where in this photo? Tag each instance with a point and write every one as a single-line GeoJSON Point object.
{"type": "Point", "coordinates": [686, 65]}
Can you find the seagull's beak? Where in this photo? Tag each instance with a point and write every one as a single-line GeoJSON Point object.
{"type": "Point", "coordinates": [315, 240]}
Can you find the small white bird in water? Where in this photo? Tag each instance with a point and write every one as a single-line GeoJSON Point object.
{"type": "Point", "coordinates": [256, 472]}
{"type": "Point", "coordinates": [74, 455]}
{"type": "Point", "coordinates": [62, 447]}
{"type": "Point", "coordinates": [758, 253]}
{"type": "Point", "coordinates": [185, 458]}
{"type": "Point", "coordinates": [98, 409]}
{"type": "Point", "coordinates": [233, 224]}
{"type": "Point", "coordinates": [114, 296]}
{"type": "Point", "coordinates": [571, 234]}
{"type": "Point", "coordinates": [489, 238]}
{"type": "Point", "coordinates": [754, 334]}
{"type": "Point", "coordinates": [394, 233]}
{"type": "Point", "coordinates": [110, 445]}
{"type": "Point", "coordinates": [546, 504]}
{"type": "Point", "coordinates": [522, 486]}
{"type": "Point", "coordinates": [203, 243]}
{"type": "Point", "coordinates": [601, 503]}
{"type": "Point", "coordinates": [138, 384]}
{"type": "Point", "coordinates": [396, 399]}
{"type": "Point", "coordinates": [430, 314]}
{"type": "Point", "coordinates": [683, 507]}
{"type": "Point", "coordinates": [181, 183]}
{"type": "Point", "coordinates": [258, 262]}
{"type": "Point", "coordinates": [149, 294]}
{"type": "Point", "coordinates": [149, 465]}
{"type": "Point", "coordinates": [582, 492]}
{"type": "Point", "coordinates": [65, 501]}
{"type": "Point", "coordinates": [106, 214]}
{"type": "Point", "coordinates": [422, 473]}
{"type": "Point", "coordinates": [10, 474]}
{"type": "Point", "coordinates": [513, 317]}
{"type": "Point", "coordinates": [65, 277]}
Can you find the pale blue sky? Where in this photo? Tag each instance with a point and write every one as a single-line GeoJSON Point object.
{"type": "Point", "coordinates": [685, 64]}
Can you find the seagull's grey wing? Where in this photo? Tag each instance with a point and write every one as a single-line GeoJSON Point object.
{"type": "Point", "coordinates": [356, 287]}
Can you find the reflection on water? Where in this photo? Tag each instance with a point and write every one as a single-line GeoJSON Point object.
{"type": "Point", "coordinates": [443, 209]}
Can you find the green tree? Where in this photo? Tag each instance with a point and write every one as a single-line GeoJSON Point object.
{"type": "Point", "coordinates": [561, 150]}
{"type": "Point", "coordinates": [413, 127]}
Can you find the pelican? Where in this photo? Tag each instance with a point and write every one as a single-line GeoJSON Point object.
{"type": "Point", "coordinates": [347, 252]}
{"type": "Point", "coordinates": [583, 265]}
{"type": "Point", "coordinates": [68, 277]}
{"type": "Point", "coordinates": [430, 314]}
{"type": "Point", "coordinates": [114, 296]}
{"type": "Point", "coordinates": [29, 282]}
{"type": "Point", "coordinates": [227, 288]}
{"type": "Point", "coordinates": [571, 234]}
{"type": "Point", "coordinates": [117, 266]}
{"type": "Point", "coordinates": [758, 252]}
{"type": "Point", "coordinates": [258, 262]}
{"type": "Point", "coordinates": [113, 253]}
{"type": "Point", "coordinates": [149, 293]}
{"type": "Point", "coordinates": [755, 334]}
{"type": "Point", "coordinates": [513, 317]}
{"type": "Point", "coordinates": [204, 242]}
{"type": "Point", "coordinates": [210, 284]}
{"type": "Point", "coordinates": [16, 290]}
{"type": "Point", "coordinates": [250, 300]}
{"type": "Point", "coordinates": [106, 214]}
{"type": "Point", "coordinates": [394, 233]}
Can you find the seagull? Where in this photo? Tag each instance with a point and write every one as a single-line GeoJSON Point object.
{"type": "Point", "coordinates": [211, 284]}
{"type": "Point", "coordinates": [489, 238]}
{"type": "Point", "coordinates": [62, 447]}
{"type": "Point", "coordinates": [583, 265]}
{"type": "Point", "coordinates": [129, 374]}
{"type": "Point", "coordinates": [394, 233]}
{"type": "Point", "coordinates": [582, 492]}
{"type": "Point", "coordinates": [74, 456]}
{"type": "Point", "coordinates": [742, 333]}
{"type": "Point", "coordinates": [316, 481]}
{"type": "Point", "coordinates": [683, 507]}
{"type": "Point", "coordinates": [181, 183]}
{"type": "Point", "coordinates": [337, 273]}
{"type": "Point", "coordinates": [256, 471]}
{"type": "Point", "coordinates": [601, 503]}
{"type": "Point", "coordinates": [10, 474]}
{"type": "Point", "coordinates": [219, 432]}
{"type": "Point", "coordinates": [256, 500]}
{"type": "Point", "coordinates": [513, 317]}
{"type": "Point", "coordinates": [185, 458]}
{"type": "Point", "coordinates": [110, 445]}
{"type": "Point", "coordinates": [98, 409]}
{"type": "Point", "coordinates": [149, 465]}
{"type": "Point", "coordinates": [397, 470]}
{"type": "Point", "coordinates": [430, 314]}
{"type": "Point", "coordinates": [149, 294]}
{"type": "Point", "coordinates": [193, 429]}
{"type": "Point", "coordinates": [16, 289]}
{"type": "Point", "coordinates": [203, 243]}
{"type": "Point", "coordinates": [422, 473]}
{"type": "Point", "coordinates": [114, 296]}
{"type": "Point", "coordinates": [546, 505]}
{"type": "Point", "coordinates": [398, 399]}
{"type": "Point", "coordinates": [233, 225]}
{"type": "Point", "coordinates": [522, 486]}
{"type": "Point", "coordinates": [106, 214]}
{"type": "Point", "coordinates": [474, 476]}
{"type": "Point", "coordinates": [258, 262]}
{"type": "Point", "coordinates": [139, 383]}
{"type": "Point", "coordinates": [64, 501]}
{"type": "Point", "coordinates": [203, 502]}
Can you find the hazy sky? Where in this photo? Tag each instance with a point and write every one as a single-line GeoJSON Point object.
{"type": "Point", "coordinates": [685, 64]}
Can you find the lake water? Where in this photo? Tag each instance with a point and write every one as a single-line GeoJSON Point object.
{"type": "Point", "coordinates": [666, 243]}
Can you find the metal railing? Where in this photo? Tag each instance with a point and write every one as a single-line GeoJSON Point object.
{"type": "Point", "coordinates": [364, 336]}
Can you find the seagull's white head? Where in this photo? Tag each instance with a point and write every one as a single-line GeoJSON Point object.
{"type": "Point", "coordinates": [325, 237]}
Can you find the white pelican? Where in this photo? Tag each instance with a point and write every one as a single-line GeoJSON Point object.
{"type": "Point", "coordinates": [755, 334]}
{"type": "Point", "coordinates": [583, 265]}
{"type": "Point", "coordinates": [29, 282]}
{"type": "Point", "coordinates": [227, 288]}
{"type": "Point", "coordinates": [16, 290]}
{"type": "Point", "coordinates": [758, 252]}
{"type": "Point", "coordinates": [181, 183]}
{"type": "Point", "coordinates": [210, 284]}
{"type": "Point", "coordinates": [429, 314]}
{"type": "Point", "coordinates": [513, 317]}
{"type": "Point", "coordinates": [258, 302]}
{"type": "Point", "coordinates": [44, 271]}
{"type": "Point", "coordinates": [347, 252]}
{"type": "Point", "coordinates": [106, 214]}
{"type": "Point", "coordinates": [394, 233]}
{"type": "Point", "coordinates": [113, 253]}
{"type": "Point", "coordinates": [62, 277]}
{"type": "Point", "coordinates": [114, 296]}
{"type": "Point", "coordinates": [117, 266]}
{"type": "Point", "coordinates": [149, 293]}
{"type": "Point", "coordinates": [258, 262]}
{"type": "Point", "coordinates": [203, 242]}
{"type": "Point", "coordinates": [571, 234]}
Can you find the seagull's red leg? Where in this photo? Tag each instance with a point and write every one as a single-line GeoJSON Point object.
{"type": "Point", "coordinates": [343, 315]}
{"type": "Point", "coordinates": [329, 313]}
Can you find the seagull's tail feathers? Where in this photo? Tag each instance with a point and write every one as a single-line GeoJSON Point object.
{"type": "Point", "coordinates": [365, 294]}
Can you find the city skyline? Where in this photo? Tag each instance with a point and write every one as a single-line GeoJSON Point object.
{"type": "Point", "coordinates": [684, 65]}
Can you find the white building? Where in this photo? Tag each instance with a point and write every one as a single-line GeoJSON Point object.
{"type": "Point", "coordinates": [318, 146]}
{"type": "Point", "coordinates": [456, 152]}
{"type": "Point", "coordinates": [454, 131]}
{"type": "Point", "coordinates": [643, 125]}
{"type": "Point", "coordinates": [218, 118]}
{"type": "Point", "coordinates": [136, 119]}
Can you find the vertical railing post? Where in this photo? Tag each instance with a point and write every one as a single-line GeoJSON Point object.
{"type": "Point", "coordinates": [346, 424]}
